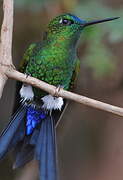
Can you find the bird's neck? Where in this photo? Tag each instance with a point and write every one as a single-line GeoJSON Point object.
{"type": "Point", "coordinates": [61, 41]}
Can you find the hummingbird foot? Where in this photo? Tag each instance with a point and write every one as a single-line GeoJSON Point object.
{"type": "Point", "coordinates": [58, 88]}
{"type": "Point", "coordinates": [27, 75]}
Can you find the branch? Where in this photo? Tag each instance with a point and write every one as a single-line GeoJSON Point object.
{"type": "Point", "coordinates": [6, 41]}
{"type": "Point", "coordinates": [7, 70]}
{"type": "Point", "coordinates": [11, 73]}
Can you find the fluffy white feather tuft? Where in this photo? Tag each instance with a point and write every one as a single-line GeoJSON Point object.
{"type": "Point", "coordinates": [26, 92]}
{"type": "Point", "coordinates": [52, 103]}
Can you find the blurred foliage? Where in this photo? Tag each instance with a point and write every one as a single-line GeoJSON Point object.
{"type": "Point", "coordinates": [98, 56]}
{"type": "Point", "coordinates": [29, 4]}
{"type": "Point", "coordinates": [95, 10]}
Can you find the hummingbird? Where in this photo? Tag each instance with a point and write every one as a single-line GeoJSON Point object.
{"type": "Point", "coordinates": [31, 132]}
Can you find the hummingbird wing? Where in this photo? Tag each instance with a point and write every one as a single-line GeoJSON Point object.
{"type": "Point", "coordinates": [26, 58]}
{"type": "Point", "coordinates": [75, 74]}
{"type": "Point", "coordinates": [15, 130]}
{"type": "Point", "coordinates": [28, 53]}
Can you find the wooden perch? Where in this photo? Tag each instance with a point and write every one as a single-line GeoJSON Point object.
{"type": "Point", "coordinates": [11, 73]}
{"type": "Point", "coordinates": [6, 42]}
{"type": "Point", "coordinates": [7, 69]}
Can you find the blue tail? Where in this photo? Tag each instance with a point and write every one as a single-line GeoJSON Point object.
{"type": "Point", "coordinates": [31, 134]}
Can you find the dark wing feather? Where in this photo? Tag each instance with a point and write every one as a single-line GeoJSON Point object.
{"type": "Point", "coordinates": [75, 74]}
{"type": "Point", "coordinates": [10, 136]}
{"type": "Point", "coordinates": [24, 151]}
{"type": "Point", "coordinates": [23, 154]}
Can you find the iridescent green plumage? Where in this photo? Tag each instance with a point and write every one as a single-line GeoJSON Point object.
{"type": "Point", "coordinates": [54, 60]}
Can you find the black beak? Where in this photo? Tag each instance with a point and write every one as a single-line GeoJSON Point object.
{"type": "Point", "coordinates": [99, 21]}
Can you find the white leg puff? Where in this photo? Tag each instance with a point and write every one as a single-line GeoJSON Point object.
{"type": "Point", "coordinates": [52, 103]}
{"type": "Point", "coordinates": [26, 92]}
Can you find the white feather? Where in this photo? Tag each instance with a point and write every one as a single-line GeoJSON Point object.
{"type": "Point", "coordinates": [26, 92]}
{"type": "Point", "coordinates": [52, 103]}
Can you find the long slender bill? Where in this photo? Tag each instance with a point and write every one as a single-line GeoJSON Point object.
{"type": "Point", "coordinates": [100, 21]}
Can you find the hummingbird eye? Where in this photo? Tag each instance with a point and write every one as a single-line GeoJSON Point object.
{"type": "Point", "coordinates": [66, 21]}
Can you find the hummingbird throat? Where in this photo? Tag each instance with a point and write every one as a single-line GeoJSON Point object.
{"type": "Point", "coordinates": [49, 102]}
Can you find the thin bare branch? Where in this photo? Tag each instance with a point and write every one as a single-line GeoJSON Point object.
{"type": "Point", "coordinates": [11, 73]}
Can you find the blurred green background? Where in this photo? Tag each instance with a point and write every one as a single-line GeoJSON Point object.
{"type": "Point", "coordinates": [90, 144]}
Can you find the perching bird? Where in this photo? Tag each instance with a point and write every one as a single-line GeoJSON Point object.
{"type": "Point", "coordinates": [31, 131]}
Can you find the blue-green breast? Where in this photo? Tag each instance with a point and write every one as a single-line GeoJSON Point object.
{"type": "Point", "coordinates": [53, 63]}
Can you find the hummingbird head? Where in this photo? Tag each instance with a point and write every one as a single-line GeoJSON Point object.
{"type": "Point", "coordinates": [70, 26]}
{"type": "Point", "coordinates": [66, 24]}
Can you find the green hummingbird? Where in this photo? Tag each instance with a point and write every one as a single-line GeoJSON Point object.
{"type": "Point", "coordinates": [31, 131]}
